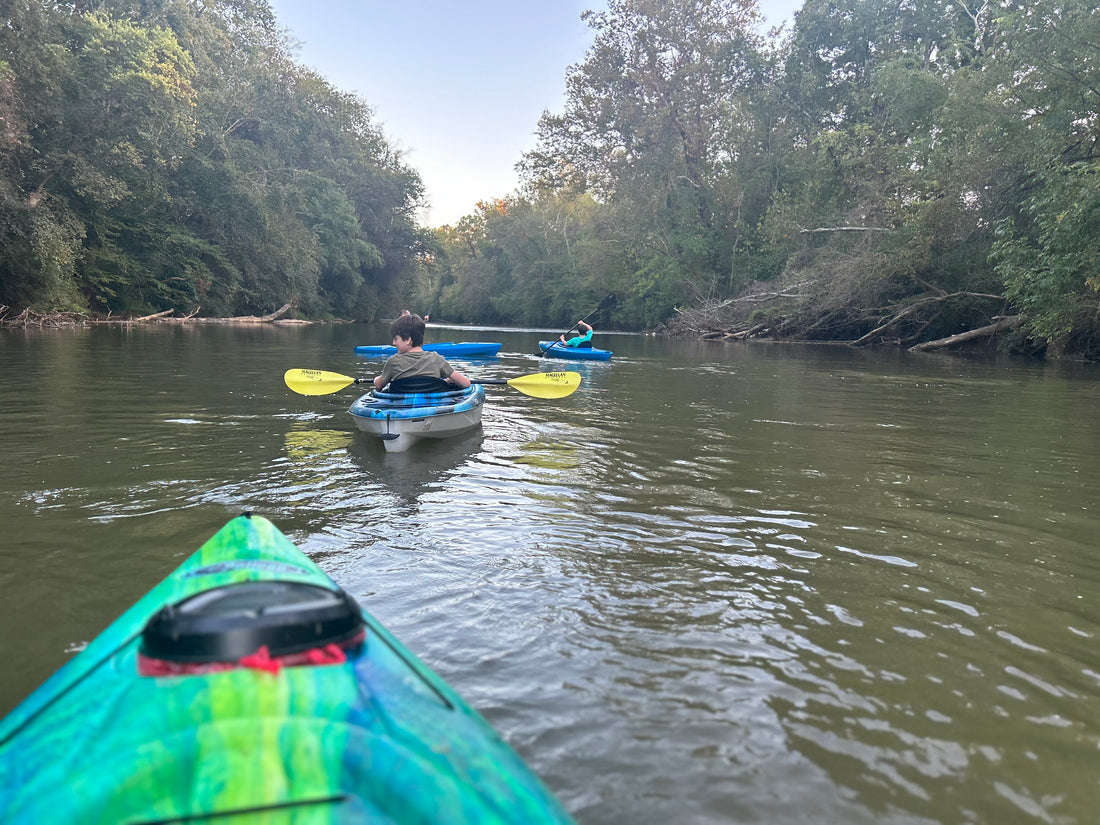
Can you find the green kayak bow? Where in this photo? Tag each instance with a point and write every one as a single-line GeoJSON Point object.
{"type": "Point", "coordinates": [248, 686]}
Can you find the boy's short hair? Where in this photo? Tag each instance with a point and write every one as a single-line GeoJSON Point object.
{"type": "Point", "coordinates": [409, 326]}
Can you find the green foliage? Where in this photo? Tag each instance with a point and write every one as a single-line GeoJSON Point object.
{"type": "Point", "coordinates": [661, 131]}
{"type": "Point", "coordinates": [1053, 273]}
{"type": "Point", "coordinates": [926, 155]}
{"type": "Point", "coordinates": [876, 158]}
{"type": "Point", "coordinates": [1038, 94]}
{"type": "Point", "coordinates": [166, 154]}
{"type": "Point", "coordinates": [520, 261]}
{"type": "Point", "coordinates": [38, 250]}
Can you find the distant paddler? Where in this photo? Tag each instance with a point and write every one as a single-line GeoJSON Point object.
{"type": "Point", "coordinates": [584, 339]}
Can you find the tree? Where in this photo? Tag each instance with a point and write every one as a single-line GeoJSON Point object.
{"type": "Point", "coordinates": [653, 120]}
{"type": "Point", "coordinates": [1048, 251]}
{"type": "Point", "coordinates": [168, 154]}
{"type": "Point", "coordinates": [106, 115]}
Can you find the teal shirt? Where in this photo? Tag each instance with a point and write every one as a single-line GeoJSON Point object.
{"type": "Point", "coordinates": [580, 339]}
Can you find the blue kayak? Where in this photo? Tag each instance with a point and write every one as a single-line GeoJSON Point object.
{"type": "Point", "coordinates": [400, 418]}
{"type": "Point", "coordinates": [555, 349]}
{"type": "Point", "coordinates": [448, 349]}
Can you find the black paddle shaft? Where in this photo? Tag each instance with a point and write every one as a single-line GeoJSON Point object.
{"type": "Point", "coordinates": [606, 303]}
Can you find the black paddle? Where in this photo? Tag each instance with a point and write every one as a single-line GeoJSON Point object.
{"type": "Point", "coordinates": [606, 303]}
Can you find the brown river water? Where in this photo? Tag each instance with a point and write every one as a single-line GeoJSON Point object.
{"type": "Point", "coordinates": [718, 584]}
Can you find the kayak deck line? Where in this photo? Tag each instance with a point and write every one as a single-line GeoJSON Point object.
{"type": "Point", "coordinates": [261, 809]}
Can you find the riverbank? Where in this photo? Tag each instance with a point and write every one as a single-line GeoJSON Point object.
{"type": "Point", "coordinates": [787, 315]}
{"type": "Point", "coordinates": [29, 318]}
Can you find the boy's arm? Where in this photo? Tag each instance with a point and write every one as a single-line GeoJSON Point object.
{"type": "Point", "coordinates": [383, 378]}
{"type": "Point", "coordinates": [459, 379]}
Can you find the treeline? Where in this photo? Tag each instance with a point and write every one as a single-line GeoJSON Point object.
{"type": "Point", "coordinates": [171, 154]}
{"type": "Point", "coordinates": [880, 172]}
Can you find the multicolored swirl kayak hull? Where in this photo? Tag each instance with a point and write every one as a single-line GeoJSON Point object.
{"type": "Point", "coordinates": [368, 735]}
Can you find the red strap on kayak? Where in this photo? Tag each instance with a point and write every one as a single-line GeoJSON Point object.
{"type": "Point", "coordinates": [330, 654]}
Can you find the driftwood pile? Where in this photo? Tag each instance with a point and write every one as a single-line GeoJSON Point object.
{"type": "Point", "coordinates": [796, 312]}
{"type": "Point", "coordinates": [30, 318]}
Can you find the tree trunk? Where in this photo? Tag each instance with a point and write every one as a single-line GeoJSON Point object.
{"type": "Point", "coordinates": [999, 325]}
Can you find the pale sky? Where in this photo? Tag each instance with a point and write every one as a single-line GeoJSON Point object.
{"type": "Point", "coordinates": [457, 87]}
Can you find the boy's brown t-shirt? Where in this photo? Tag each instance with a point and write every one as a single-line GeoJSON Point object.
{"type": "Point", "coordinates": [415, 364]}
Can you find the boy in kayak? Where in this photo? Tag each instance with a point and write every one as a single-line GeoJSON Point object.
{"type": "Point", "coordinates": [412, 362]}
{"type": "Point", "coordinates": [585, 339]}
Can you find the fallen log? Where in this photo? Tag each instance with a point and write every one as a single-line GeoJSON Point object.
{"type": "Point", "coordinates": [153, 316]}
{"type": "Point", "coordinates": [909, 310]}
{"type": "Point", "coordinates": [999, 325]}
{"type": "Point", "coordinates": [920, 303]}
{"type": "Point", "coordinates": [283, 310]}
{"type": "Point", "coordinates": [238, 319]}
{"type": "Point", "coordinates": [748, 333]}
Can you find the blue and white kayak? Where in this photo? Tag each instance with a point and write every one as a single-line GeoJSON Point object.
{"type": "Point", "coordinates": [555, 349]}
{"type": "Point", "coordinates": [402, 419]}
{"type": "Point", "coordinates": [448, 349]}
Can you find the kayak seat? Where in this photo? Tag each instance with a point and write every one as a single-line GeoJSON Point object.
{"type": "Point", "coordinates": [227, 623]}
{"type": "Point", "coordinates": [420, 383]}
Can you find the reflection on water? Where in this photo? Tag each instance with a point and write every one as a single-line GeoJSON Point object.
{"type": "Point", "coordinates": [415, 472]}
{"type": "Point", "coordinates": [717, 584]}
{"type": "Point", "coordinates": [548, 455]}
{"type": "Point", "coordinates": [311, 445]}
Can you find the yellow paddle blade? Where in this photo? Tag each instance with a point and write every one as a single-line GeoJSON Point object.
{"type": "Point", "coordinates": [316, 382]}
{"type": "Point", "coordinates": [547, 384]}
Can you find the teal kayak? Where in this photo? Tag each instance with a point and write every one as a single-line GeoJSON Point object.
{"type": "Point", "coordinates": [248, 687]}
{"type": "Point", "coordinates": [448, 349]}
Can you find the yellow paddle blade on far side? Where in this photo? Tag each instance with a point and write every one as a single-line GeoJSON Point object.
{"type": "Point", "coordinates": [317, 382]}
